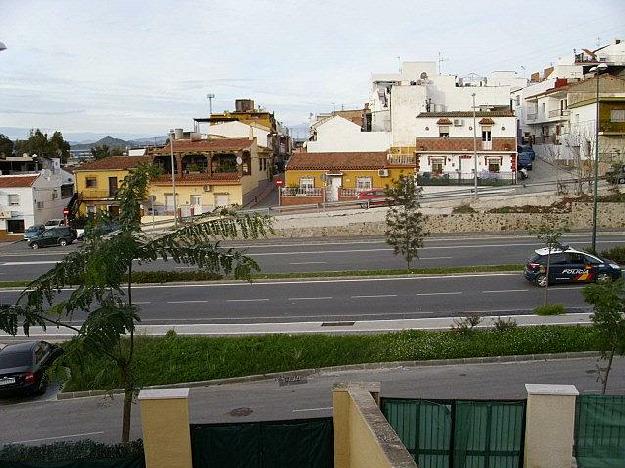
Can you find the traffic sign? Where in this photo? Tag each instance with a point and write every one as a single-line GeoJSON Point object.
{"type": "Point", "coordinates": [279, 182]}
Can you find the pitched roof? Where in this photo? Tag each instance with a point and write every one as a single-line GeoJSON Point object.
{"type": "Point", "coordinates": [216, 144]}
{"type": "Point", "coordinates": [498, 113]}
{"type": "Point", "coordinates": [337, 161]}
{"type": "Point", "coordinates": [443, 121]}
{"type": "Point", "coordinates": [113, 163]}
{"type": "Point", "coordinates": [486, 121]}
{"type": "Point", "coordinates": [11, 181]}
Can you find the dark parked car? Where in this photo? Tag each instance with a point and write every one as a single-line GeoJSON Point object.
{"type": "Point", "coordinates": [34, 231]}
{"type": "Point", "coordinates": [616, 175]}
{"type": "Point", "coordinates": [55, 236]}
{"type": "Point", "coordinates": [524, 161]}
{"type": "Point", "coordinates": [375, 197]}
{"type": "Point", "coordinates": [526, 149]}
{"type": "Point", "coordinates": [567, 265]}
{"type": "Point", "coordinates": [23, 367]}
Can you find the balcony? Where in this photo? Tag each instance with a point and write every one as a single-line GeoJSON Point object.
{"type": "Point", "coordinates": [532, 116]}
{"type": "Point", "coordinates": [559, 113]}
{"type": "Point", "coordinates": [92, 194]}
{"type": "Point", "coordinates": [401, 159]}
{"type": "Point", "coordinates": [612, 128]}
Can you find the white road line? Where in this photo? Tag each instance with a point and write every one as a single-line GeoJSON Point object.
{"type": "Point", "coordinates": [56, 438]}
{"type": "Point", "coordinates": [141, 303]}
{"type": "Point", "coordinates": [313, 252]}
{"type": "Point", "coordinates": [434, 258]}
{"type": "Point", "coordinates": [42, 262]}
{"type": "Point", "coordinates": [309, 298]}
{"type": "Point", "coordinates": [305, 263]}
{"type": "Point", "coordinates": [246, 300]}
{"type": "Point", "coordinates": [312, 409]}
{"type": "Point", "coordinates": [505, 291]}
{"type": "Point", "coordinates": [566, 287]}
{"type": "Point", "coordinates": [376, 295]}
{"type": "Point", "coordinates": [440, 294]}
{"type": "Point", "coordinates": [186, 302]}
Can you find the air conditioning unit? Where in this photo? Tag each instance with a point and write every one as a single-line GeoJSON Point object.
{"type": "Point", "coordinates": [458, 122]}
{"type": "Point", "coordinates": [207, 188]}
{"type": "Point", "coordinates": [383, 172]}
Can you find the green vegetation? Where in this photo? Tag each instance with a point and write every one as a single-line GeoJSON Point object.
{"type": "Point", "coordinates": [463, 209]}
{"type": "Point", "coordinates": [63, 451]}
{"type": "Point", "coordinates": [615, 253]}
{"type": "Point", "coordinates": [550, 309]}
{"type": "Point", "coordinates": [173, 359]}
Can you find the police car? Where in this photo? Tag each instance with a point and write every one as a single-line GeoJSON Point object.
{"type": "Point", "coordinates": [568, 265]}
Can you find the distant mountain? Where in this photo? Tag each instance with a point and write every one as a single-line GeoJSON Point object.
{"type": "Point", "coordinates": [113, 142]}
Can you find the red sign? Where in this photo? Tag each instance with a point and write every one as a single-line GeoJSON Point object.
{"type": "Point", "coordinates": [65, 211]}
{"type": "Point", "coordinates": [279, 182]}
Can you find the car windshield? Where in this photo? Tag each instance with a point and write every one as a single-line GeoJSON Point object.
{"type": "Point", "coordinates": [535, 258]}
{"type": "Point", "coordinates": [33, 229]}
{"type": "Point", "coordinates": [19, 359]}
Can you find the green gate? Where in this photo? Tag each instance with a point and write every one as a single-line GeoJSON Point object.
{"type": "Point", "coordinates": [600, 431]}
{"type": "Point", "coordinates": [459, 433]}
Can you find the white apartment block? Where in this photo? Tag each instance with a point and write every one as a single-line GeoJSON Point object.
{"type": "Point", "coordinates": [335, 134]}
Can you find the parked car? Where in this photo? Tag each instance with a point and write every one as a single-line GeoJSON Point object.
{"type": "Point", "coordinates": [526, 149]}
{"type": "Point", "coordinates": [23, 367]}
{"type": "Point", "coordinates": [616, 175]}
{"type": "Point", "coordinates": [54, 223]}
{"type": "Point", "coordinates": [34, 231]}
{"type": "Point", "coordinates": [567, 265]}
{"type": "Point", "coordinates": [524, 161]}
{"type": "Point", "coordinates": [375, 197]}
{"type": "Point", "coordinates": [102, 229]}
{"type": "Point", "coordinates": [56, 236]}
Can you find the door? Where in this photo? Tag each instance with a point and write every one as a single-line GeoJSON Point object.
{"type": "Point", "coordinates": [113, 186]}
{"type": "Point", "coordinates": [577, 269]}
{"type": "Point", "coordinates": [487, 143]}
{"type": "Point", "coordinates": [222, 199]}
{"type": "Point", "coordinates": [558, 263]}
{"type": "Point", "coordinates": [169, 202]}
{"type": "Point", "coordinates": [15, 225]}
{"type": "Point", "coordinates": [332, 192]}
{"type": "Point", "coordinates": [196, 204]}
{"type": "Point", "coordinates": [49, 238]}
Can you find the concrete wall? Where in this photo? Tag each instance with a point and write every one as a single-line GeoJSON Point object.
{"type": "Point", "coordinates": [338, 134]}
{"type": "Point", "coordinates": [240, 130]}
{"type": "Point", "coordinates": [292, 177]}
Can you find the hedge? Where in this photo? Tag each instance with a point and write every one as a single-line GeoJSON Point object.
{"type": "Point", "coordinates": [175, 359]}
{"type": "Point", "coordinates": [75, 450]}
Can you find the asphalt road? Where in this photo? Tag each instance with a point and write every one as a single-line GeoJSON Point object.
{"type": "Point", "coordinates": [342, 299]}
{"type": "Point", "coordinates": [97, 418]}
{"type": "Point", "coordinates": [17, 261]}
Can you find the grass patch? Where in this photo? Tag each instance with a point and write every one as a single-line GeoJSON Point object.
{"type": "Point", "coordinates": [615, 253]}
{"type": "Point", "coordinates": [174, 359]}
{"type": "Point", "coordinates": [550, 309]}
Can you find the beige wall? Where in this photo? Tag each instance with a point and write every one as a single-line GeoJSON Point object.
{"type": "Point", "coordinates": [184, 193]}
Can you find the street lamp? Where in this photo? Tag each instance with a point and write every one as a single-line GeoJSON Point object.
{"type": "Point", "coordinates": [597, 70]}
{"type": "Point", "coordinates": [474, 149]}
{"type": "Point", "coordinates": [172, 134]}
{"type": "Point", "coordinates": [210, 97]}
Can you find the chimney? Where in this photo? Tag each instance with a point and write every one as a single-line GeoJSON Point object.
{"type": "Point", "coordinates": [617, 41]}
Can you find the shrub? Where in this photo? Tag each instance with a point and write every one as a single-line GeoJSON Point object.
{"type": "Point", "coordinates": [463, 209]}
{"type": "Point", "coordinates": [169, 276]}
{"type": "Point", "coordinates": [615, 253]}
{"type": "Point", "coordinates": [466, 324]}
{"type": "Point", "coordinates": [550, 309]}
{"type": "Point", "coordinates": [64, 451]}
{"type": "Point", "coordinates": [502, 325]}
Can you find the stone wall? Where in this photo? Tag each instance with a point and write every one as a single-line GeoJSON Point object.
{"type": "Point", "coordinates": [610, 216]}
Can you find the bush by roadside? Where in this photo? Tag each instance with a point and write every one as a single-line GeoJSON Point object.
{"type": "Point", "coordinates": [615, 253]}
{"type": "Point", "coordinates": [63, 451]}
{"type": "Point", "coordinates": [550, 309]}
{"type": "Point", "coordinates": [174, 359]}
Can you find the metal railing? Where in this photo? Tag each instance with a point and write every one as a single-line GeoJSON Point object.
{"type": "Point", "coordinates": [559, 113]}
{"type": "Point", "coordinates": [92, 193]}
{"type": "Point", "coordinates": [301, 192]}
{"type": "Point", "coordinates": [484, 178]}
{"type": "Point", "coordinates": [402, 159]}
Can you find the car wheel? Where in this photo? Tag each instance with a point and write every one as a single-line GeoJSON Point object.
{"type": "Point", "coordinates": [363, 205]}
{"type": "Point", "coordinates": [603, 278]}
{"type": "Point", "coordinates": [34, 246]}
{"type": "Point", "coordinates": [62, 242]}
{"type": "Point", "coordinates": [541, 280]}
{"type": "Point", "coordinates": [43, 386]}
{"type": "Point", "coordinates": [621, 180]}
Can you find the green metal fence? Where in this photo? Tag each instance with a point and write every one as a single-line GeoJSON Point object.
{"type": "Point", "coordinates": [305, 443]}
{"type": "Point", "coordinates": [600, 431]}
{"type": "Point", "coordinates": [459, 433]}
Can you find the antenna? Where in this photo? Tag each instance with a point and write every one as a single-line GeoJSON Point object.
{"type": "Point", "coordinates": [598, 42]}
{"type": "Point", "coordinates": [440, 61]}
{"type": "Point", "coordinates": [210, 97]}
{"type": "Point", "coordinates": [399, 63]}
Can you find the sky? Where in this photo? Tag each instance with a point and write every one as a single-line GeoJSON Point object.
{"type": "Point", "coordinates": [129, 67]}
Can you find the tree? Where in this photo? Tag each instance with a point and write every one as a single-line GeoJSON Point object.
{"type": "Point", "coordinates": [38, 143]}
{"type": "Point", "coordinates": [6, 146]}
{"type": "Point", "coordinates": [404, 221]}
{"type": "Point", "coordinates": [100, 152]}
{"type": "Point", "coordinates": [608, 319]}
{"type": "Point", "coordinates": [550, 235]}
{"type": "Point", "coordinates": [102, 270]}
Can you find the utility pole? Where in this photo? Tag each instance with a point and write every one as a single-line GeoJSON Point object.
{"type": "Point", "coordinates": [598, 69]}
{"type": "Point", "coordinates": [172, 134]}
{"type": "Point", "coordinates": [474, 150]}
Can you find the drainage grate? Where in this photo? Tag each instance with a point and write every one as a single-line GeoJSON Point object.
{"type": "Point", "coordinates": [337, 324]}
{"type": "Point", "coordinates": [241, 412]}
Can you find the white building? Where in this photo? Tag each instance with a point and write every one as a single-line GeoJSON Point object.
{"type": "Point", "coordinates": [33, 198]}
{"type": "Point", "coordinates": [237, 129]}
{"type": "Point", "coordinates": [336, 134]}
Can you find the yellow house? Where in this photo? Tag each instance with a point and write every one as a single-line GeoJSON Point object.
{"type": "Point", "coordinates": [327, 177]}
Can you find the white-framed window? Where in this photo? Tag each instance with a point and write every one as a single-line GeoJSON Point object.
{"type": "Point", "coordinates": [437, 165]}
{"type": "Point", "coordinates": [363, 183]}
{"type": "Point", "coordinates": [617, 115]}
{"type": "Point", "coordinates": [91, 182]}
{"type": "Point", "coordinates": [55, 194]}
{"type": "Point", "coordinates": [443, 131]}
{"type": "Point", "coordinates": [14, 200]}
{"type": "Point", "coordinates": [307, 183]}
{"type": "Point", "coordinates": [195, 200]}
{"type": "Point", "coordinates": [494, 164]}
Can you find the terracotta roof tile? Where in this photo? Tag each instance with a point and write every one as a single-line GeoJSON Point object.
{"type": "Point", "coordinates": [443, 121]}
{"type": "Point", "coordinates": [10, 181]}
{"type": "Point", "coordinates": [217, 144]}
{"type": "Point", "coordinates": [499, 113]}
{"type": "Point", "coordinates": [486, 121]}
{"type": "Point", "coordinates": [337, 161]}
{"type": "Point", "coordinates": [113, 163]}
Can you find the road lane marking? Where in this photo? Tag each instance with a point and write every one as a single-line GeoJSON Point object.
{"type": "Point", "coordinates": [375, 295]}
{"type": "Point", "coordinates": [312, 409]}
{"type": "Point", "coordinates": [309, 298]}
{"type": "Point", "coordinates": [57, 437]}
{"type": "Point", "coordinates": [246, 300]}
{"type": "Point", "coordinates": [566, 287]}
{"type": "Point", "coordinates": [440, 293]}
{"type": "Point", "coordinates": [41, 262]}
{"type": "Point", "coordinates": [141, 303]}
{"type": "Point", "coordinates": [313, 252]}
{"type": "Point", "coordinates": [306, 263]}
{"type": "Point", "coordinates": [186, 302]}
{"type": "Point", "coordinates": [505, 291]}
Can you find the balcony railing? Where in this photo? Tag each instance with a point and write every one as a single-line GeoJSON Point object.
{"type": "Point", "coordinates": [97, 194]}
{"type": "Point", "coordinates": [559, 113]}
{"type": "Point", "coordinates": [486, 178]}
{"type": "Point", "coordinates": [301, 192]}
{"type": "Point", "coordinates": [532, 116]}
{"type": "Point", "coordinates": [401, 159]}
{"type": "Point", "coordinates": [353, 192]}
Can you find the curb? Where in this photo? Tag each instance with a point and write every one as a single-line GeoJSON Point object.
{"type": "Point", "coordinates": [345, 368]}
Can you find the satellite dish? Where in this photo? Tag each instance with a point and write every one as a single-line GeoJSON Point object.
{"type": "Point", "coordinates": [424, 76]}
{"type": "Point", "coordinates": [239, 160]}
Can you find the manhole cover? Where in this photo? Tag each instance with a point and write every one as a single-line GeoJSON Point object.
{"type": "Point", "coordinates": [241, 412]}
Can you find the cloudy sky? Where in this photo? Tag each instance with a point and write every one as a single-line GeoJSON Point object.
{"type": "Point", "coordinates": [142, 67]}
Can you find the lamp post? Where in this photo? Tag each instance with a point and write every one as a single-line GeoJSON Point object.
{"type": "Point", "coordinates": [173, 174]}
{"type": "Point", "coordinates": [474, 149]}
{"type": "Point", "coordinates": [210, 97]}
{"type": "Point", "coordinates": [598, 69]}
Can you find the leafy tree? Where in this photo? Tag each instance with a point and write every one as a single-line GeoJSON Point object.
{"type": "Point", "coordinates": [550, 236]}
{"type": "Point", "coordinates": [100, 151]}
{"type": "Point", "coordinates": [404, 221]}
{"type": "Point", "coordinates": [102, 271]}
{"type": "Point", "coordinates": [117, 151]}
{"type": "Point", "coordinates": [39, 143]}
{"type": "Point", "coordinates": [6, 146]}
{"type": "Point", "coordinates": [608, 320]}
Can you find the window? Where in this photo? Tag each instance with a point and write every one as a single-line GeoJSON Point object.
{"type": "Point", "coordinates": [14, 200]}
{"type": "Point", "coordinates": [196, 200]}
{"type": "Point", "coordinates": [40, 205]}
{"type": "Point", "coordinates": [91, 182]}
{"type": "Point", "coordinates": [55, 194]}
{"type": "Point", "coordinates": [494, 164]}
{"type": "Point", "coordinates": [543, 109]}
{"type": "Point", "coordinates": [617, 115]}
{"type": "Point", "coordinates": [363, 183]}
{"type": "Point", "coordinates": [576, 258]}
{"type": "Point", "coordinates": [591, 260]}
{"type": "Point", "coordinates": [557, 259]}
{"type": "Point", "coordinates": [486, 134]}
{"type": "Point", "coordinates": [437, 166]}
{"type": "Point", "coordinates": [518, 99]}
{"type": "Point", "coordinates": [307, 183]}
{"type": "Point", "coordinates": [67, 191]}
{"type": "Point", "coordinates": [443, 131]}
